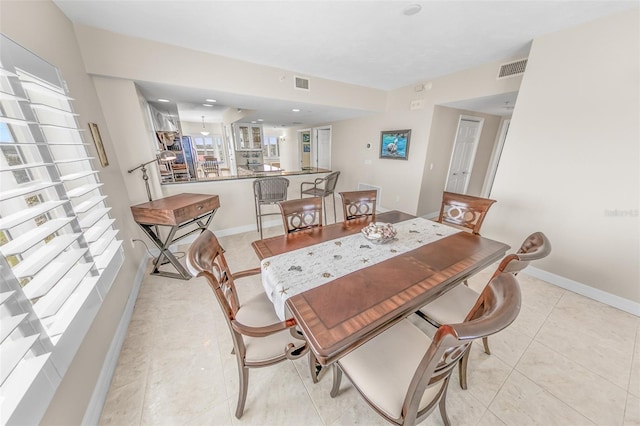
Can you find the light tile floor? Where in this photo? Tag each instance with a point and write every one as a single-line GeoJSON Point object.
{"type": "Point", "coordinates": [566, 360]}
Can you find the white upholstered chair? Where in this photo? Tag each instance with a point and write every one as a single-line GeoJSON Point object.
{"type": "Point", "coordinates": [404, 375]}
{"type": "Point", "coordinates": [260, 338]}
{"type": "Point", "coordinates": [457, 304]}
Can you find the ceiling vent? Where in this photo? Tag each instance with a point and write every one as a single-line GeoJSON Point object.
{"type": "Point", "coordinates": [512, 68]}
{"type": "Point", "coordinates": [301, 83]}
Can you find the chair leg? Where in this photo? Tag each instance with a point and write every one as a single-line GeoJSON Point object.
{"type": "Point", "coordinates": [337, 378]}
{"type": "Point", "coordinates": [462, 368]}
{"type": "Point", "coordinates": [335, 216]}
{"type": "Point", "coordinates": [443, 406]}
{"type": "Point", "coordinates": [485, 342]}
{"type": "Point", "coordinates": [324, 208]}
{"type": "Point", "coordinates": [243, 384]}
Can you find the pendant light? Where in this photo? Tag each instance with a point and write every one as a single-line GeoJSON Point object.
{"type": "Point", "coordinates": [204, 131]}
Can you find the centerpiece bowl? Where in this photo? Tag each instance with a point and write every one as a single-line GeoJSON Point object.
{"type": "Point", "coordinates": [379, 232]}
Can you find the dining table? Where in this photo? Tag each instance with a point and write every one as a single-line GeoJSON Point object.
{"type": "Point", "coordinates": [343, 290]}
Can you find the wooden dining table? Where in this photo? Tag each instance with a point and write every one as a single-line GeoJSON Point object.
{"type": "Point", "coordinates": [346, 312]}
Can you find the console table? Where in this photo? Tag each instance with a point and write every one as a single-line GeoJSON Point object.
{"type": "Point", "coordinates": [175, 212]}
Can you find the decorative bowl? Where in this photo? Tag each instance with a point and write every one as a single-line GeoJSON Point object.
{"type": "Point", "coordinates": [379, 232]}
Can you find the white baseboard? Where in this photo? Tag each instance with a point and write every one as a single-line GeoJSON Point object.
{"type": "Point", "coordinates": [100, 392]}
{"type": "Point", "coordinates": [585, 290]}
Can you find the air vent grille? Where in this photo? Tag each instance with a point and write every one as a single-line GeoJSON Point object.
{"type": "Point", "coordinates": [301, 83]}
{"type": "Point", "coordinates": [512, 68]}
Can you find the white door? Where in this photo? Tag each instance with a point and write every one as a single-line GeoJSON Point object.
{"type": "Point", "coordinates": [464, 152]}
{"type": "Point", "coordinates": [322, 152]}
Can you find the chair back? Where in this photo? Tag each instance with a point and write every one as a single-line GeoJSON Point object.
{"type": "Point", "coordinates": [535, 247]}
{"type": "Point", "coordinates": [502, 299]}
{"type": "Point", "coordinates": [465, 211]}
{"type": "Point", "coordinates": [302, 213]}
{"type": "Point", "coordinates": [357, 204]}
{"type": "Point", "coordinates": [206, 258]}
{"type": "Point", "coordinates": [209, 165]}
{"type": "Point", "coordinates": [270, 190]}
{"type": "Point", "coordinates": [330, 182]}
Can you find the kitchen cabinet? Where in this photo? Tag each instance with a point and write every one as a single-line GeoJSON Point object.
{"type": "Point", "coordinates": [248, 136]}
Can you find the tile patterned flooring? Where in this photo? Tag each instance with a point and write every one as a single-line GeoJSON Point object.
{"type": "Point", "coordinates": [566, 360]}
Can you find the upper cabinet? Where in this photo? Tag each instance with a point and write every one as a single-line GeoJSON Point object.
{"type": "Point", "coordinates": [248, 136]}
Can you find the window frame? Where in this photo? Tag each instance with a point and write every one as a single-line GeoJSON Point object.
{"type": "Point", "coordinates": [60, 253]}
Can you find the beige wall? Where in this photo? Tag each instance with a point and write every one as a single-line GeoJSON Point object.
{"type": "Point", "coordinates": [115, 55]}
{"type": "Point", "coordinates": [572, 156]}
{"type": "Point", "coordinates": [42, 28]}
{"type": "Point", "coordinates": [441, 140]}
{"type": "Point", "coordinates": [405, 183]}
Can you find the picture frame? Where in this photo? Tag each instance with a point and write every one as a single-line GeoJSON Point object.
{"type": "Point", "coordinates": [97, 140]}
{"type": "Point", "coordinates": [394, 144]}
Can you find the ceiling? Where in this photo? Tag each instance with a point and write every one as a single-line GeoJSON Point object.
{"type": "Point", "coordinates": [369, 43]}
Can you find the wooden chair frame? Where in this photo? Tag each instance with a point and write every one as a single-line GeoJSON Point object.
{"type": "Point", "coordinates": [357, 204]}
{"type": "Point", "coordinates": [536, 246]}
{"type": "Point", "coordinates": [205, 258]}
{"type": "Point", "coordinates": [302, 213]}
{"type": "Point", "coordinates": [465, 211]}
{"type": "Point", "coordinates": [500, 307]}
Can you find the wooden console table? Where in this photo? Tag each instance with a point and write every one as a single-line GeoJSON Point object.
{"type": "Point", "coordinates": [176, 212]}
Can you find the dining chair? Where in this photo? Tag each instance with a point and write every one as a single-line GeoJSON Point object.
{"type": "Point", "coordinates": [457, 304]}
{"type": "Point", "coordinates": [403, 374]}
{"type": "Point", "coordinates": [302, 213]}
{"type": "Point", "coordinates": [357, 204]}
{"type": "Point", "coordinates": [464, 211]}
{"type": "Point", "coordinates": [210, 166]}
{"type": "Point", "coordinates": [268, 191]}
{"type": "Point", "coordinates": [259, 337]}
{"type": "Point", "coordinates": [322, 187]}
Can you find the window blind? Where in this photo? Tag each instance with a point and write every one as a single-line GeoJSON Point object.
{"type": "Point", "coordinates": [59, 247]}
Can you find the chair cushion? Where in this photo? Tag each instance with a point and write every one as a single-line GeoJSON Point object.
{"type": "Point", "coordinates": [383, 368]}
{"type": "Point", "coordinates": [452, 307]}
{"type": "Point", "coordinates": [258, 311]}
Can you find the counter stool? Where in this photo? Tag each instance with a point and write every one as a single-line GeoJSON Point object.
{"type": "Point", "coordinates": [268, 190]}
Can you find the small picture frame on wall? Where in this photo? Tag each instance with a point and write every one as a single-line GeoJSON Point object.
{"type": "Point", "coordinates": [394, 144]}
{"type": "Point", "coordinates": [97, 140]}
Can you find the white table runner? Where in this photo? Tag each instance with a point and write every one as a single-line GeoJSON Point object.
{"type": "Point", "coordinates": [291, 273]}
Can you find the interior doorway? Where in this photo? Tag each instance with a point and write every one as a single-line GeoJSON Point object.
{"type": "Point", "coordinates": [304, 143]}
{"type": "Point", "coordinates": [464, 152]}
{"type": "Point", "coordinates": [321, 152]}
{"type": "Point", "coordinates": [315, 148]}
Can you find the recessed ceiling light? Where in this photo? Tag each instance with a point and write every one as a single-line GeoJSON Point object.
{"type": "Point", "coordinates": [260, 119]}
{"type": "Point", "coordinates": [207, 105]}
{"type": "Point", "coordinates": [412, 9]}
{"type": "Point", "coordinates": [295, 110]}
{"type": "Point", "coordinates": [163, 100]}
{"type": "Point", "coordinates": [211, 100]}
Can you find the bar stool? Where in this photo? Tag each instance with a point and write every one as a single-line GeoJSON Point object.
{"type": "Point", "coordinates": [268, 190]}
{"type": "Point", "coordinates": [322, 187]}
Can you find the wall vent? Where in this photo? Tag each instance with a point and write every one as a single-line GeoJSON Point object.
{"type": "Point", "coordinates": [512, 68]}
{"type": "Point", "coordinates": [367, 187]}
{"type": "Point", "coordinates": [301, 83]}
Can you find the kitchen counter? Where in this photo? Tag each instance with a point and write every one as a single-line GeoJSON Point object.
{"type": "Point", "coordinates": [251, 174]}
{"type": "Point", "coordinates": [257, 168]}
